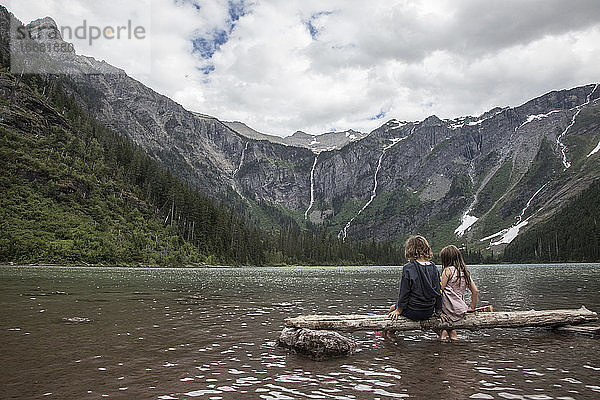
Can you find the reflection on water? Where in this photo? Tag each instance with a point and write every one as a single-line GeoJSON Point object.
{"type": "Point", "coordinates": [77, 333]}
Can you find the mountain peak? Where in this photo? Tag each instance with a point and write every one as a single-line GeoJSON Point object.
{"type": "Point", "coordinates": [300, 134]}
{"type": "Point", "coordinates": [432, 120]}
{"type": "Point", "coordinates": [492, 112]}
{"type": "Point", "coordinates": [44, 30]}
{"type": "Point", "coordinates": [45, 21]}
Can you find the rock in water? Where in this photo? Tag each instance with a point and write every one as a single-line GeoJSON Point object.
{"type": "Point", "coordinates": [316, 344]}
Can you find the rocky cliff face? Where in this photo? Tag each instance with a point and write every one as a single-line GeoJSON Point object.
{"type": "Point", "coordinates": [461, 180]}
{"type": "Point", "coordinates": [477, 180]}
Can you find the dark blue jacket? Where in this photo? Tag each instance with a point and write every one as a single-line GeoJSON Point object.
{"type": "Point", "coordinates": [420, 287]}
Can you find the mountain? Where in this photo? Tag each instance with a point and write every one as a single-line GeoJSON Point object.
{"type": "Point", "coordinates": [317, 143]}
{"type": "Point", "coordinates": [324, 142]}
{"type": "Point", "coordinates": [250, 133]}
{"type": "Point", "coordinates": [480, 182]}
{"type": "Point", "coordinates": [75, 192]}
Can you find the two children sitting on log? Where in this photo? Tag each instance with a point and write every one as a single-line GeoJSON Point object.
{"type": "Point", "coordinates": [424, 292]}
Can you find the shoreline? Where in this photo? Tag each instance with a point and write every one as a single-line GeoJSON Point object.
{"type": "Point", "coordinates": [135, 266]}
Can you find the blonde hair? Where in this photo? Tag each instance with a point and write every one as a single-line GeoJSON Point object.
{"type": "Point", "coordinates": [451, 256]}
{"type": "Point", "coordinates": [417, 247]}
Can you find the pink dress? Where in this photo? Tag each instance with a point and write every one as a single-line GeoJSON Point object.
{"type": "Point", "coordinates": [453, 300]}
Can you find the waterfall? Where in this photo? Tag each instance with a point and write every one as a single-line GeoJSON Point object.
{"type": "Point", "coordinates": [312, 187]}
{"type": "Point", "coordinates": [509, 234]}
{"type": "Point", "coordinates": [520, 217]}
{"type": "Point", "coordinates": [468, 220]}
{"type": "Point", "coordinates": [233, 183]}
{"type": "Point", "coordinates": [241, 159]}
{"type": "Point", "coordinates": [344, 232]}
{"type": "Point", "coordinates": [559, 143]}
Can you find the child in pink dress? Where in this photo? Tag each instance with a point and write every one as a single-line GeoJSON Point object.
{"type": "Point", "coordinates": [455, 280]}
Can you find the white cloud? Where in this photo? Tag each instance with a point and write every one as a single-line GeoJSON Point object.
{"type": "Point", "coordinates": [74, 15]}
{"type": "Point", "coordinates": [409, 59]}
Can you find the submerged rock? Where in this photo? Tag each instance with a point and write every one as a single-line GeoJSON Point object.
{"type": "Point", "coordinates": [318, 344]}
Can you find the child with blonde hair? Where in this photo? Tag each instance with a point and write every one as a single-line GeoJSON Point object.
{"type": "Point", "coordinates": [420, 292]}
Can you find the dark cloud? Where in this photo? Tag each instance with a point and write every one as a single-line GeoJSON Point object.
{"type": "Point", "coordinates": [470, 28]}
{"type": "Point", "coordinates": [489, 26]}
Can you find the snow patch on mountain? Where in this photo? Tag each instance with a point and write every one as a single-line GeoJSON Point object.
{"type": "Point", "coordinates": [536, 117]}
{"type": "Point", "coordinates": [395, 140]}
{"type": "Point", "coordinates": [466, 222]}
{"type": "Point", "coordinates": [509, 234]}
{"type": "Point", "coordinates": [595, 150]}
{"type": "Point", "coordinates": [474, 123]}
{"type": "Point", "coordinates": [399, 124]}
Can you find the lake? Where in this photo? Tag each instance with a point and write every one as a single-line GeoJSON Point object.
{"type": "Point", "coordinates": [132, 333]}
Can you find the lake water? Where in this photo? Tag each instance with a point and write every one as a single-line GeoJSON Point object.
{"type": "Point", "coordinates": [210, 334]}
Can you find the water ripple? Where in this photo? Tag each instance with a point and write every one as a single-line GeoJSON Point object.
{"type": "Point", "coordinates": [197, 333]}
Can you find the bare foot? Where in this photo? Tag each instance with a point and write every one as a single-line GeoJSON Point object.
{"type": "Point", "coordinates": [444, 336]}
{"type": "Point", "coordinates": [453, 335]}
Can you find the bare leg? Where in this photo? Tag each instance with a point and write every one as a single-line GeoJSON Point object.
{"type": "Point", "coordinates": [453, 334]}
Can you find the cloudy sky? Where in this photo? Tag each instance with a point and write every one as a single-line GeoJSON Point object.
{"type": "Point", "coordinates": [319, 65]}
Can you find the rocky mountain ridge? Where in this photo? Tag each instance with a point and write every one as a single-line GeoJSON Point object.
{"type": "Point", "coordinates": [471, 180]}
{"type": "Point", "coordinates": [328, 141]}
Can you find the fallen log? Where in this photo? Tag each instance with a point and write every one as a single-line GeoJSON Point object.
{"type": "Point", "coordinates": [471, 321]}
{"type": "Point", "coordinates": [315, 335]}
{"type": "Point", "coordinates": [588, 330]}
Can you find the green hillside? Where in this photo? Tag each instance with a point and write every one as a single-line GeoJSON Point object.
{"type": "Point", "coordinates": [570, 235]}
{"type": "Point", "coordinates": [74, 191]}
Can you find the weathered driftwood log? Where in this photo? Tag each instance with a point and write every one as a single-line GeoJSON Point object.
{"type": "Point", "coordinates": [317, 344]}
{"type": "Point", "coordinates": [589, 330]}
{"type": "Point", "coordinates": [472, 321]}
{"type": "Point", "coordinates": [314, 334]}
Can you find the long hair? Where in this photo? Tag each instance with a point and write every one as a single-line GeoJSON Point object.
{"type": "Point", "coordinates": [417, 247]}
{"type": "Point", "coordinates": [451, 256]}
